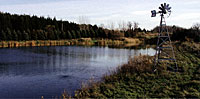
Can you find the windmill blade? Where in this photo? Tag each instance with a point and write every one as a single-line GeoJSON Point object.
{"type": "Point", "coordinates": [169, 14]}
{"type": "Point", "coordinates": [169, 8]}
{"type": "Point", "coordinates": [164, 11]}
{"type": "Point", "coordinates": [165, 5]}
{"type": "Point", "coordinates": [161, 8]}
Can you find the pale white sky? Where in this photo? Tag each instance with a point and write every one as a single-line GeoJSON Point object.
{"type": "Point", "coordinates": [184, 12]}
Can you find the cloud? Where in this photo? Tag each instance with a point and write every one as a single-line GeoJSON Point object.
{"type": "Point", "coordinates": [186, 16]}
{"type": "Point", "coordinates": [144, 12]}
{"type": "Point", "coordinates": [17, 2]}
{"type": "Point", "coordinates": [101, 11]}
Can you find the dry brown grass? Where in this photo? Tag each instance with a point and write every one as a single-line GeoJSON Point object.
{"type": "Point", "coordinates": [82, 42]}
{"type": "Point", "coordinates": [132, 41]}
{"type": "Point", "coordinates": [138, 64]}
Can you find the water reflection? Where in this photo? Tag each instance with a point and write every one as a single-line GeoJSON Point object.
{"type": "Point", "coordinates": [47, 71]}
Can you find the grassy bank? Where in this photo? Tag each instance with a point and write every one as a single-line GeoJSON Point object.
{"type": "Point", "coordinates": [136, 79]}
{"type": "Point", "coordinates": [81, 41]}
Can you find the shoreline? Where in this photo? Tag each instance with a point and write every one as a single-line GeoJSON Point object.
{"type": "Point", "coordinates": [81, 42]}
{"type": "Point", "coordinates": [136, 79]}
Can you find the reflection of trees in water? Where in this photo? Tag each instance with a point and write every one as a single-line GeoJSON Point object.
{"type": "Point", "coordinates": [49, 68]}
{"type": "Point", "coordinates": [53, 59]}
{"type": "Point", "coordinates": [3, 68]}
{"type": "Point", "coordinates": [61, 59]}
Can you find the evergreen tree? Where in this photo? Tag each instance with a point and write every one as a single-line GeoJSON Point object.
{"type": "Point", "coordinates": [92, 33]}
{"type": "Point", "coordinates": [63, 35]}
{"type": "Point", "coordinates": [15, 36]}
{"type": "Point", "coordinates": [78, 35]}
{"type": "Point", "coordinates": [88, 33]}
{"type": "Point", "coordinates": [144, 30]}
{"type": "Point", "coordinates": [25, 36]}
{"type": "Point", "coordinates": [33, 34]}
{"type": "Point", "coordinates": [9, 34]}
{"type": "Point", "coordinates": [82, 33]}
{"type": "Point", "coordinates": [110, 35]}
{"type": "Point", "coordinates": [41, 35]}
{"type": "Point", "coordinates": [57, 34]}
{"type": "Point", "coordinates": [96, 33]}
{"type": "Point", "coordinates": [50, 31]}
{"type": "Point", "coordinates": [102, 33]}
{"type": "Point", "coordinates": [73, 33]}
{"type": "Point", "coordinates": [69, 36]}
{"type": "Point", "coordinates": [3, 36]}
{"type": "Point", "coordinates": [25, 27]}
{"type": "Point", "coordinates": [19, 35]}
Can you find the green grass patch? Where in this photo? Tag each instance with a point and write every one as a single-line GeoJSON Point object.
{"type": "Point", "coordinates": [136, 79]}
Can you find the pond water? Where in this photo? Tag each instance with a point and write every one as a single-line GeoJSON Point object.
{"type": "Point", "coordinates": [33, 72]}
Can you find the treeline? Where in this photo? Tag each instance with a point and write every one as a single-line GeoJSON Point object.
{"type": "Point", "coordinates": [182, 34]}
{"type": "Point", "coordinates": [25, 27]}
{"type": "Point", "coordinates": [171, 29]}
{"type": "Point", "coordinates": [192, 34]}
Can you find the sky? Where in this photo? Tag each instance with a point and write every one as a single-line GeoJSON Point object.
{"type": "Point", "coordinates": [185, 13]}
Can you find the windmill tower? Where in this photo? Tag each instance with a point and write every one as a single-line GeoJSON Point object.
{"type": "Point", "coordinates": [164, 49]}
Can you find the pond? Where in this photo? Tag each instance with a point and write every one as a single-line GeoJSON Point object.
{"type": "Point", "coordinates": [32, 72]}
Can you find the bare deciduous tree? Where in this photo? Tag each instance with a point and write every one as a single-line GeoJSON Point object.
{"type": "Point", "coordinates": [124, 26]}
{"type": "Point", "coordinates": [135, 26]}
{"type": "Point", "coordinates": [120, 25]}
{"type": "Point", "coordinates": [83, 20]}
{"type": "Point", "coordinates": [196, 26]}
{"type": "Point", "coordinates": [111, 25]}
{"type": "Point", "coordinates": [102, 25]}
{"type": "Point", "coordinates": [129, 24]}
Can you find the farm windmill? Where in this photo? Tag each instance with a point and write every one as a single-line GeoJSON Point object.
{"type": "Point", "coordinates": [164, 49]}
